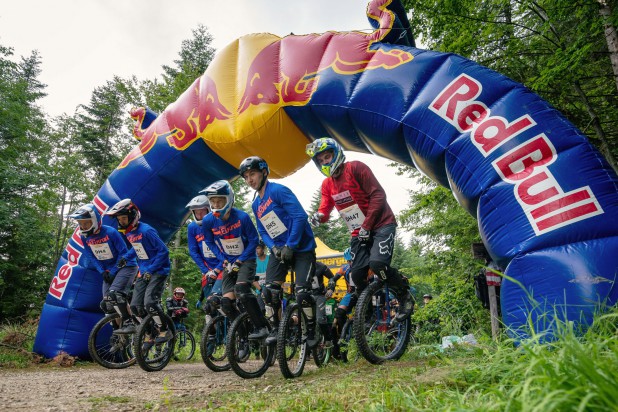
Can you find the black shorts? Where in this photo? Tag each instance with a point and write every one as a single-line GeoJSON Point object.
{"type": "Point", "coordinates": [380, 249]}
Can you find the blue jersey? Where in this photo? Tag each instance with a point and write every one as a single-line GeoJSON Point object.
{"type": "Point", "coordinates": [282, 220]}
{"type": "Point", "coordinates": [104, 249]}
{"type": "Point", "coordinates": [199, 250]}
{"type": "Point", "coordinates": [233, 239]}
{"type": "Point", "coordinates": [152, 254]}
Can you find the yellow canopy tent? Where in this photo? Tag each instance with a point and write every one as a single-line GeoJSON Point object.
{"type": "Point", "coordinates": [331, 258]}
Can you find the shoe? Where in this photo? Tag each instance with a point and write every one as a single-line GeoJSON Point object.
{"type": "Point", "coordinates": [406, 305]}
{"type": "Point", "coordinates": [148, 343]}
{"type": "Point", "coordinates": [261, 333]}
{"type": "Point", "coordinates": [312, 342]}
{"type": "Point", "coordinates": [272, 338]}
{"type": "Point", "coordinates": [328, 344]}
{"type": "Point", "coordinates": [164, 336]}
{"type": "Point", "coordinates": [243, 351]}
{"type": "Point", "coordinates": [128, 327]}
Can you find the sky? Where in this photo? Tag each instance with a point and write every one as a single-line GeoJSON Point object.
{"type": "Point", "coordinates": [84, 43]}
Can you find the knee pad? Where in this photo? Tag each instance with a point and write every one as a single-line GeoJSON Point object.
{"type": "Point", "coordinates": [273, 295]}
{"type": "Point", "coordinates": [304, 298]}
{"type": "Point", "coordinates": [381, 269]}
{"type": "Point", "coordinates": [155, 309]}
{"type": "Point", "coordinates": [227, 306]}
{"type": "Point", "coordinates": [107, 306]}
{"type": "Point", "coordinates": [116, 297]}
{"type": "Point", "coordinates": [243, 291]}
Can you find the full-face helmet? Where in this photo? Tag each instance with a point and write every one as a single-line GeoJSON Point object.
{"type": "Point", "coordinates": [198, 203]}
{"type": "Point", "coordinates": [88, 213]}
{"type": "Point", "coordinates": [322, 145]}
{"type": "Point", "coordinates": [125, 207]}
{"type": "Point", "coordinates": [220, 188]}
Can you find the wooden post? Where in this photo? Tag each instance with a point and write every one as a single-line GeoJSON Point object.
{"type": "Point", "coordinates": [493, 310]}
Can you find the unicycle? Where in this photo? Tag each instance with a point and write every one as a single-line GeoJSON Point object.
{"type": "Point", "coordinates": [150, 355]}
{"type": "Point", "coordinates": [249, 358]}
{"type": "Point", "coordinates": [377, 336]}
{"type": "Point", "coordinates": [213, 344]}
{"type": "Point", "coordinates": [107, 349]}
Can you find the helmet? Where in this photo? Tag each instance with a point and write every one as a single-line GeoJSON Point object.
{"type": "Point", "coordinates": [254, 163]}
{"type": "Point", "coordinates": [347, 254]}
{"type": "Point", "coordinates": [88, 212]}
{"type": "Point", "coordinates": [178, 291]}
{"type": "Point", "coordinates": [198, 202]}
{"type": "Point", "coordinates": [220, 188]}
{"type": "Point", "coordinates": [321, 145]}
{"type": "Point", "coordinates": [125, 208]}
{"type": "Point", "coordinates": [427, 296]}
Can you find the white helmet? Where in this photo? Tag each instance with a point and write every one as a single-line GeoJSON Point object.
{"type": "Point", "coordinates": [198, 202]}
{"type": "Point", "coordinates": [88, 212]}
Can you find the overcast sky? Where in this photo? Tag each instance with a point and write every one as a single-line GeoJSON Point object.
{"type": "Point", "coordinates": [84, 43]}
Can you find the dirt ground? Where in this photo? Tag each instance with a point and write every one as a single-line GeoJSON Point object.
{"type": "Point", "coordinates": [93, 388]}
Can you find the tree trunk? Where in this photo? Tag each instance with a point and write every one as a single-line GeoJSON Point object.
{"type": "Point", "coordinates": [57, 248]}
{"type": "Point", "coordinates": [174, 261]}
{"type": "Point", "coordinates": [610, 36]}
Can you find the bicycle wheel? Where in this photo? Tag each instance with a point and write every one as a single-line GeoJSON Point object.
{"type": "Point", "coordinates": [109, 350]}
{"type": "Point", "coordinates": [246, 356]}
{"type": "Point", "coordinates": [213, 342]}
{"type": "Point", "coordinates": [185, 346]}
{"type": "Point", "coordinates": [377, 339]}
{"type": "Point", "coordinates": [152, 356]}
{"type": "Point", "coordinates": [347, 344]}
{"type": "Point", "coordinates": [292, 352]}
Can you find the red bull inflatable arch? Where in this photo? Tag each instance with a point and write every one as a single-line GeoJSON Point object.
{"type": "Point", "coordinates": [545, 199]}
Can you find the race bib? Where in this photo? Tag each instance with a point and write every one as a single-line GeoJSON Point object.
{"type": "Point", "coordinates": [273, 225]}
{"type": "Point", "coordinates": [329, 310]}
{"type": "Point", "coordinates": [233, 247]}
{"type": "Point", "coordinates": [353, 217]}
{"type": "Point", "coordinates": [102, 251]}
{"type": "Point", "coordinates": [140, 251]}
{"type": "Point", "coordinates": [206, 250]}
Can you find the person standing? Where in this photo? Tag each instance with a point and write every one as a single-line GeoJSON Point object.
{"type": "Point", "coordinates": [352, 188]}
{"type": "Point", "coordinates": [262, 262]}
{"type": "Point", "coordinates": [283, 226]}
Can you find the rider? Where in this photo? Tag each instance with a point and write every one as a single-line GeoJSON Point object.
{"type": "Point", "coordinates": [154, 263]}
{"type": "Point", "coordinates": [262, 262]}
{"type": "Point", "coordinates": [106, 250]}
{"type": "Point", "coordinates": [353, 190]}
{"type": "Point", "coordinates": [201, 254]}
{"type": "Point", "coordinates": [320, 294]}
{"type": "Point", "coordinates": [231, 235]}
{"type": "Point", "coordinates": [177, 306]}
{"type": "Point", "coordinates": [283, 226]}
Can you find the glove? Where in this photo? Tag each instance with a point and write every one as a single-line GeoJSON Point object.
{"type": "Point", "coordinates": [364, 235]}
{"type": "Point", "coordinates": [146, 276]}
{"type": "Point", "coordinates": [198, 304]}
{"type": "Point", "coordinates": [315, 219]}
{"type": "Point", "coordinates": [121, 263]}
{"type": "Point", "coordinates": [235, 267]}
{"type": "Point", "coordinates": [107, 277]}
{"type": "Point", "coordinates": [332, 283]}
{"type": "Point", "coordinates": [276, 252]}
{"type": "Point", "coordinates": [178, 312]}
{"type": "Point", "coordinates": [287, 254]}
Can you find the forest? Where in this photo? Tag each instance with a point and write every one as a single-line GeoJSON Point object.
{"type": "Point", "coordinates": [565, 51]}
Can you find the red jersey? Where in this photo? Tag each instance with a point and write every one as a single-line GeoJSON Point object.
{"type": "Point", "coordinates": [358, 197]}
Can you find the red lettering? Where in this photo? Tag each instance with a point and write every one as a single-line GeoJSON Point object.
{"type": "Point", "coordinates": [471, 114]}
{"type": "Point", "coordinates": [561, 203]}
{"type": "Point", "coordinates": [462, 89]}
{"type": "Point", "coordinates": [64, 273]}
{"type": "Point", "coordinates": [494, 131]}
{"type": "Point", "coordinates": [570, 216]}
{"type": "Point", "coordinates": [520, 162]}
{"type": "Point", "coordinates": [523, 189]}
{"type": "Point", "coordinates": [57, 288]}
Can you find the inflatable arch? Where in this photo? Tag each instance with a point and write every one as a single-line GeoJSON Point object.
{"type": "Point", "coordinates": [546, 201]}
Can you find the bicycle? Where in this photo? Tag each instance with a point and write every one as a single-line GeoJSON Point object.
{"type": "Point", "coordinates": [185, 343]}
{"type": "Point", "coordinates": [240, 349]}
{"type": "Point", "coordinates": [213, 342]}
{"type": "Point", "coordinates": [292, 348]}
{"type": "Point", "coordinates": [108, 349]}
{"type": "Point", "coordinates": [152, 356]}
{"type": "Point", "coordinates": [378, 336]}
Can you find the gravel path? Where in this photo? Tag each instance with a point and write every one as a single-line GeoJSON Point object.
{"type": "Point", "coordinates": [93, 388]}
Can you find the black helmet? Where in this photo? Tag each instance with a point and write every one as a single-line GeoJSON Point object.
{"type": "Point", "coordinates": [253, 163]}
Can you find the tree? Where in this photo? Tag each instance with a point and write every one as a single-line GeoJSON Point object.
{"type": "Point", "coordinates": [557, 48]}
{"type": "Point", "coordinates": [334, 233]}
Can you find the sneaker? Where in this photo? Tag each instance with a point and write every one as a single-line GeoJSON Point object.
{"type": "Point", "coordinates": [272, 338]}
{"type": "Point", "coordinates": [405, 308]}
{"type": "Point", "coordinates": [164, 336]}
{"type": "Point", "coordinates": [243, 351]}
{"type": "Point", "coordinates": [261, 333]}
{"type": "Point", "coordinates": [148, 343]}
{"type": "Point", "coordinates": [128, 327]}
